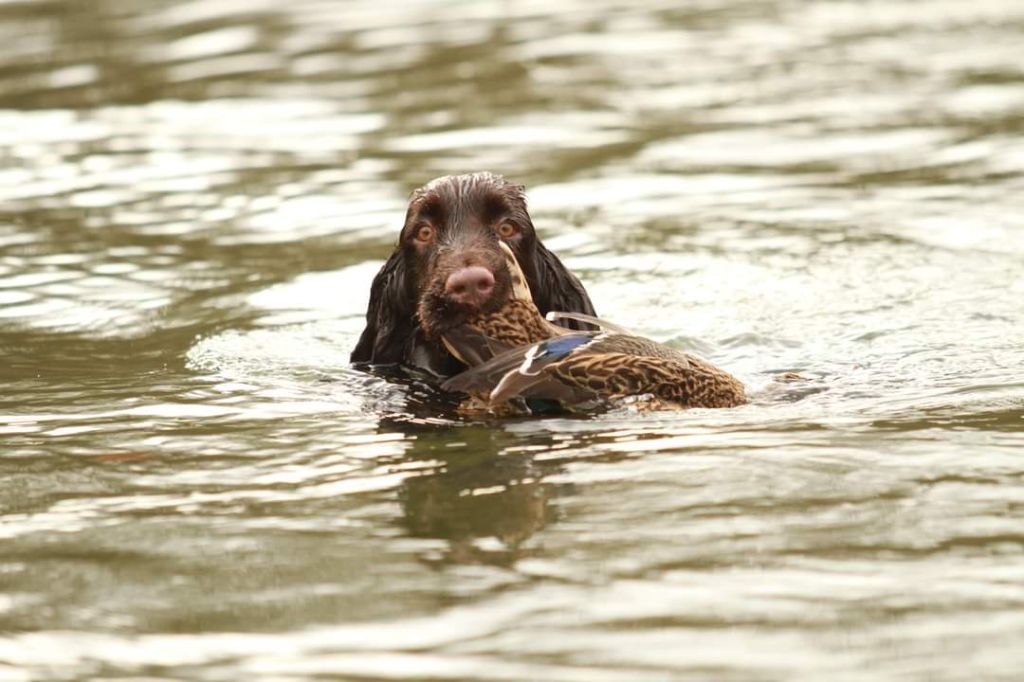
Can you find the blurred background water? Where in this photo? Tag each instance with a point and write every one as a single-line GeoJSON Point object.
{"type": "Point", "coordinates": [195, 195]}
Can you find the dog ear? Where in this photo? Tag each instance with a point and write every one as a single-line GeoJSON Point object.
{"type": "Point", "coordinates": [389, 316]}
{"type": "Point", "coordinates": [556, 288]}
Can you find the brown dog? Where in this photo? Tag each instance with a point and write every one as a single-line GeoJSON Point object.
{"type": "Point", "coordinates": [448, 266]}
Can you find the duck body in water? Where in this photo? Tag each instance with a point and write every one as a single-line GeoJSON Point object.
{"type": "Point", "coordinates": [515, 353]}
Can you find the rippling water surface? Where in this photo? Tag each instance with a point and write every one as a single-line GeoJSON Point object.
{"type": "Point", "coordinates": [194, 197]}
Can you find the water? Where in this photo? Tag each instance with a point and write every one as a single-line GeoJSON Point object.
{"type": "Point", "coordinates": [194, 197]}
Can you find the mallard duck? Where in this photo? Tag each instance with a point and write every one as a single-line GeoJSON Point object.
{"type": "Point", "coordinates": [514, 352]}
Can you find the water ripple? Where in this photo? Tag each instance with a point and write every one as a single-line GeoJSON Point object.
{"type": "Point", "coordinates": [196, 197]}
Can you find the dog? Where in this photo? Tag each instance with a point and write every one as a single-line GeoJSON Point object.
{"type": "Point", "coordinates": [448, 265]}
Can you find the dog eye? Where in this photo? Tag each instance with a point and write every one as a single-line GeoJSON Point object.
{"type": "Point", "coordinates": [507, 230]}
{"type": "Point", "coordinates": [424, 233]}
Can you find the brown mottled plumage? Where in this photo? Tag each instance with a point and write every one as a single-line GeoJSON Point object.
{"type": "Point", "coordinates": [512, 354]}
{"type": "Point", "coordinates": [518, 323]}
{"type": "Point", "coordinates": [693, 383]}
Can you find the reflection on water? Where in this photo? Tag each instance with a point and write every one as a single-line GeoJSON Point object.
{"type": "Point", "coordinates": [486, 506]}
{"type": "Point", "coordinates": [194, 197]}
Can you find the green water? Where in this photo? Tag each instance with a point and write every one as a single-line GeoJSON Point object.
{"type": "Point", "coordinates": [194, 197]}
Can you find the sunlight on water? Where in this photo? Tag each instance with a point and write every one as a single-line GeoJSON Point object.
{"type": "Point", "coordinates": [195, 200]}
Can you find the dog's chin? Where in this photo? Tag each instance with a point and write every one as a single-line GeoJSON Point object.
{"type": "Point", "coordinates": [438, 313]}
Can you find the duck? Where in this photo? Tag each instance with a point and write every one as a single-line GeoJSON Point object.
{"type": "Point", "coordinates": [516, 354]}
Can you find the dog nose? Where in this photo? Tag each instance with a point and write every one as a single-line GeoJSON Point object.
{"type": "Point", "coordinates": [471, 285]}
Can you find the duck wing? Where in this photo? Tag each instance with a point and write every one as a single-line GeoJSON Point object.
{"type": "Point", "coordinates": [519, 368]}
{"type": "Point", "coordinates": [598, 368]}
{"type": "Point", "coordinates": [534, 377]}
{"type": "Point", "coordinates": [486, 375]}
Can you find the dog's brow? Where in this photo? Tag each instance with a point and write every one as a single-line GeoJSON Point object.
{"type": "Point", "coordinates": [495, 206]}
{"type": "Point", "coordinates": [431, 207]}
